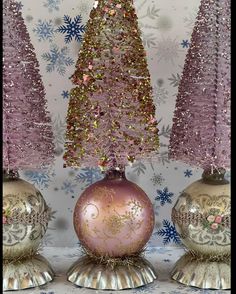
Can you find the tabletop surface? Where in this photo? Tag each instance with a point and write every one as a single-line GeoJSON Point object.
{"type": "Point", "coordinates": [162, 258]}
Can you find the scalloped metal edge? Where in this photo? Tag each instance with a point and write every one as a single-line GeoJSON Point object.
{"type": "Point", "coordinates": [88, 274]}
{"type": "Point", "coordinates": [28, 273]}
{"type": "Point", "coordinates": [202, 274]}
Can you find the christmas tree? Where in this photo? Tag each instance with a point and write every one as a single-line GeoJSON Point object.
{"type": "Point", "coordinates": [111, 116]}
{"type": "Point", "coordinates": [201, 126]}
{"type": "Point", "coordinates": [27, 132]}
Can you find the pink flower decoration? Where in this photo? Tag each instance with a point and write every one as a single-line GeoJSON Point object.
{"type": "Point", "coordinates": [116, 50]}
{"type": "Point", "coordinates": [118, 5]}
{"type": "Point", "coordinates": [152, 120]}
{"type": "Point", "coordinates": [218, 219]}
{"type": "Point", "coordinates": [214, 226]}
{"type": "Point", "coordinates": [90, 66]}
{"type": "Point", "coordinates": [211, 218]}
{"type": "Point", "coordinates": [86, 78]}
{"type": "Point", "coordinates": [4, 220]}
{"type": "Point", "coordinates": [106, 9]}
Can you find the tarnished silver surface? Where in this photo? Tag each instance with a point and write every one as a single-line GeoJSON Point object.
{"type": "Point", "coordinates": [28, 273]}
{"type": "Point", "coordinates": [25, 221]}
{"type": "Point", "coordinates": [86, 273]}
{"type": "Point", "coordinates": [202, 274]}
{"type": "Point", "coordinates": [201, 216]}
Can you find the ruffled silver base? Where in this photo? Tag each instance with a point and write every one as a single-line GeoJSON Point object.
{"type": "Point", "coordinates": [89, 274]}
{"type": "Point", "coordinates": [28, 273]}
{"type": "Point", "coordinates": [202, 274]}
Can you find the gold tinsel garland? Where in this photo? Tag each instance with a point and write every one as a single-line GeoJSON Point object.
{"type": "Point", "coordinates": [115, 261]}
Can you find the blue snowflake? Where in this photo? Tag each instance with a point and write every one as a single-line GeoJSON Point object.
{"type": "Point", "coordinates": [169, 233]}
{"type": "Point", "coordinates": [65, 94]}
{"type": "Point", "coordinates": [44, 30]}
{"type": "Point", "coordinates": [72, 28]}
{"type": "Point", "coordinates": [52, 5]}
{"type": "Point", "coordinates": [89, 176]}
{"type": "Point", "coordinates": [19, 5]}
{"type": "Point", "coordinates": [185, 44]}
{"type": "Point", "coordinates": [57, 59]}
{"type": "Point", "coordinates": [164, 196]}
{"type": "Point", "coordinates": [188, 173]}
{"type": "Point", "coordinates": [41, 178]}
{"type": "Point", "coordinates": [68, 187]}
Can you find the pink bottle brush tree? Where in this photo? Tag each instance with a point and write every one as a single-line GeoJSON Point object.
{"type": "Point", "coordinates": [27, 131]}
{"type": "Point", "coordinates": [201, 125]}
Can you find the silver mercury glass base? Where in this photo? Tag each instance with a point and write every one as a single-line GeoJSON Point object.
{"type": "Point", "coordinates": [202, 274]}
{"type": "Point", "coordinates": [86, 273]}
{"type": "Point", "coordinates": [27, 273]}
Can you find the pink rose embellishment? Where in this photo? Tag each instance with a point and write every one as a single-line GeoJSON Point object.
{"type": "Point", "coordinates": [4, 220]}
{"type": "Point", "coordinates": [90, 66]}
{"type": "Point", "coordinates": [214, 226]}
{"type": "Point", "coordinates": [211, 218]}
{"type": "Point", "coordinates": [218, 219]}
{"type": "Point", "coordinates": [118, 6]}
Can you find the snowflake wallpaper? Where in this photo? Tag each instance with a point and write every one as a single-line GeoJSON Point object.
{"type": "Point", "coordinates": [56, 28]}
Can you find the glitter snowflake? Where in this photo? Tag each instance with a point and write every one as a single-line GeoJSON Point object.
{"type": "Point", "coordinates": [169, 233]}
{"type": "Point", "coordinates": [68, 187]}
{"type": "Point", "coordinates": [138, 168]}
{"type": "Point", "coordinates": [72, 28]}
{"type": "Point", "coordinates": [65, 94]}
{"type": "Point", "coordinates": [52, 5]}
{"type": "Point", "coordinates": [44, 30]}
{"type": "Point", "coordinates": [185, 44]}
{"type": "Point", "coordinates": [188, 173]}
{"type": "Point", "coordinates": [157, 179]}
{"type": "Point", "coordinates": [175, 80]}
{"type": "Point", "coordinates": [40, 178]}
{"type": "Point", "coordinates": [168, 50]}
{"type": "Point", "coordinates": [160, 94]}
{"type": "Point", "coordinates": [190, 19]}
{"type": "Point", "coordinates": [88, 176]}
{"type": "Point", "coordinates": [57, 59]}
{"type": "Point", "coordinates": [19, 5]}
{"type": "Point", "coordinates": [164, 196]}
{"type": "Point", "coordinates": [84, 7]}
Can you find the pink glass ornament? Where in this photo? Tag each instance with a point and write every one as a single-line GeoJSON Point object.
{"type": "Point", "coordinates": [114, 217]}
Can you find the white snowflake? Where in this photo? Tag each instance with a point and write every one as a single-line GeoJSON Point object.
{"type": "Point", "coordinates": [168, 50]}
{"type": "Point", "coordinates": [160, 94]}
{"type": "Point", "coordinates": [52, 5]}
{"type": "Point", "coordinates": [57, 59]}
{"type": "Point", "coordinates": [44, 30]}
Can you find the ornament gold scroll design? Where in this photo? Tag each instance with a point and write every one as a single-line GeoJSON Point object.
{"type": "Point", "coordinates": [205, 201]}
{"type": "Point", "coordinates": [112, 262]}
{"type": "Point", "coordinates": [32, 218]}
{"type": "Point", "coordinates": [211, 258]}
{"type": "Point", "coordinates": [187, 218]}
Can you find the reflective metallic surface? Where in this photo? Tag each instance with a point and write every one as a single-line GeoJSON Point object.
{"type": "Point", "coordinates": [114, 217]}
{"type": "Point", "coordinates": [86, 273]}
{"type": "Point", "coordinates": [29, 273]}
{"type": "Point", "coordinates": [23, 235]}
{"type": "Point", "coordinates": [202, 274]}
{"type": "Point", "coordinates": [201, 216]}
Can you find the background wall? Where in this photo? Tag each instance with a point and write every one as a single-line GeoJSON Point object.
{"type": "Point", "coordinates": [166, 26]}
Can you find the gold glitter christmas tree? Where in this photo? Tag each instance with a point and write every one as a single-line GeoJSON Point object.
{"type": "Point", "coordinates": [111, 115]}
